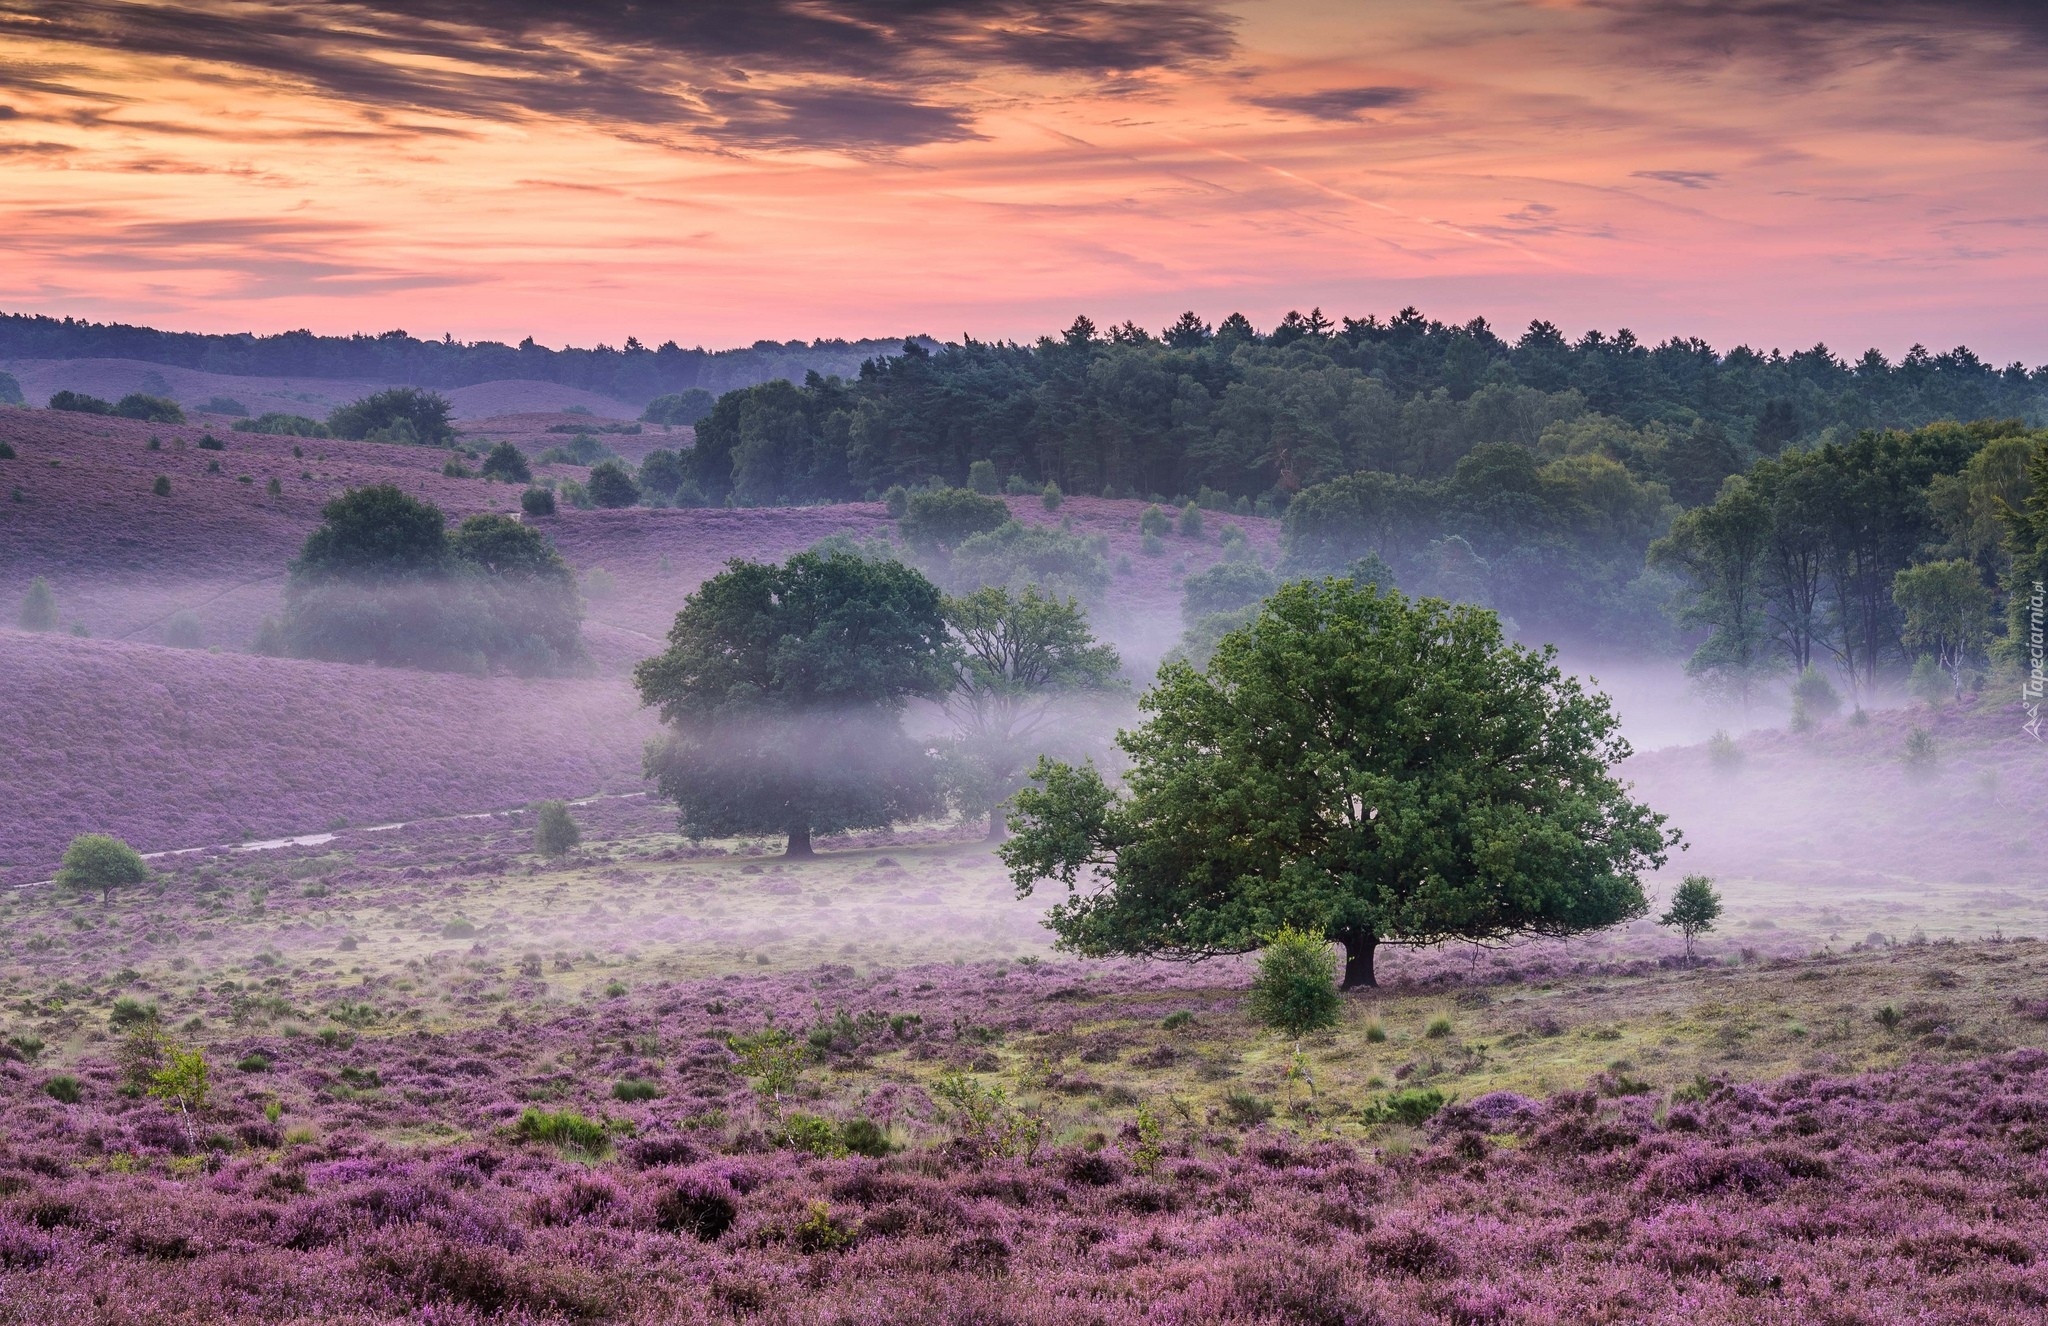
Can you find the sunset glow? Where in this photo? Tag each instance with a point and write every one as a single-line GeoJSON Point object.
{"type": "Point", "coordinates": [1867, 174]}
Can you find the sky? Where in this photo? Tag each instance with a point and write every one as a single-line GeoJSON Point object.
{"type": "Point", "coordinates": [1767, 172]}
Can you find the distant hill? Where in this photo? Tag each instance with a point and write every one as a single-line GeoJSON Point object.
{"type": "Point", "coordinates": [633, 374]}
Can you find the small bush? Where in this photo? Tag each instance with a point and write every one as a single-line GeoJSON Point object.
{"type": "Point", "coordinates": [276, 424]}
{"type": "Point", "coordinates": [1295, 991]}
{"type": "Point", "coordinates": [537, 502]}
{"type": "Point", "coordinates": [149, 409]}
{"type": "Point", "coordinates": [455, 469]}
{"type": "Point", "coordinates": [507, 464]}
{"type": "Point", "coordinates": [1244, 1109]}
{"type": "Point", "coordinates": [64, 1089]}
{"type": "Point", "coordinates": [564, 1128]}
{"type": "Point", "coordinates": [1414, 1107]}
{"type": "Point", "coordinates": [981, 477]}
{"type": "Point", "coordinates": [38, 606]}
{"type": "Point", "coordinates": [1438, 1029]}
{"type": "Point", "coordinates": [6, 451]}
{"type": "Point", "coordinates": [1723, 753]}
{"type": "Point", "coordinates": [896, 501]}
{"type": "Point", "coordinates": [809, 1132]}
{"type": "Point", "coordinates": [255, 1062]}
{"type": "Point", "coordinates": [1017, 486]}
{"type": "Point", "coordinates": [1154, 522]}
{"type": "Point", "coordinates": [1919, 752]}
{"type": "Point", "coordinates": [1175, 1021]}
{"type": "Point", "coordinates": [226, 405]}
{"type": "Point", "coordinates": [554, 831]}
{"type": "Point", "coordinates": [208, 442]}
{"type": "Point", "coordinates": [1152, 545]}
{"type": "Point", "coordinates": [1051, 497]}
{"type": "Point", "coordinates": [162, 486]}
{"type": "Point", "coordinates": [611, 485]}
{"type": "Point", "coordinates": [1375, 1034]}
{"type": "Point", "coordinates": [1191, 521]}
{"type": "Point", "coordinates": [77, 402]}
{"type": "Point", "coordinates": [635, 1088]}
{"type": "Point", "coordinates": [274, 487]}
{"type": "Point", "coordinates": [864, 1137]}
{"type": "Point", "coordinates": [183, 630]}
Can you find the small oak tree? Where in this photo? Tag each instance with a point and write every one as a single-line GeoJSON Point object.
{"type": "Point", "coordinates": [554, 830]}
{"type": "Point", "coordinates": [1694, 909]}
{"type": "Point", "coordinates": [784, 687]}
{"type": "Point", "coordinates": [1355, 764]}
{"type": "Point", "coordinates": [100, 863]}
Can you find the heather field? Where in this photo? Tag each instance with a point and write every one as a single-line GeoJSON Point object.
{"type": "Point", "coordinates": [410, 1026]}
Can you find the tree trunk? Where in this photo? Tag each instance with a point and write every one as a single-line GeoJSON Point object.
{"type": "Point", "coordinates": [799, 841]}
{"type": "Point", "coordinates": [998, 826]}
{"type": "Point", "coordinates": [1358, 951]}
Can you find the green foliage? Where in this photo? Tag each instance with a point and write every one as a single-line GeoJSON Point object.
{"type": "Point", "coordinates": [865, 1137]}
{"type": "Point", "coordinates": [1152, 545]}
{"type": "Point", "coordinates": [1413, 1107]}
{"type": "Point", "coordinates": [1050, 497]}
{"type": "Point", "coordinates": [10, 392]}
{"type": "Point", "coordinates": [1229, 587]}
{"type": "Point", "coordinates": [1295, 991]}
{"type": "Point", "coordinates": [1927, 682]}
{"type": "Point", "coordinates": [183, 630]}
{"type": "Point", "coordinates": [64, 1089]}
{"type": "Point", "coordinates": [1055, 561]}
{"type": "Point", "coordinates": [783, 688]}
{"type": "Point", "coordinates": [383, 581]}
{"type": "Point", "coordinates": [1190, 522]}
{"type": "Point", "coordinates": [537, 502]}
{"type": "Point", "coordinates": [128, 1013]}
{"type": "Point", "coordinates": [1947, 611]}
{"type": "Point", "coordinates": [77, 402]}
{"type": "Point", "coordinates": [1154, 522]}
{"type": "Point", "coordinates": [254, 1062]}
{"type": "Point", "coordinates": [582, 449]}
{"type": "Point", "coordinates": [1920, 752]}
{"type": "Point", "coordinates": [455, 469]}
{"type": "Point", "coordinates": [771, 1057]}
{"type": "Point", "coordinates": [1356, 765]}
{"type": "Point", "coordinates": [982, 478]}
{"type": "Point", "coordinates": [182, 1083]}
{"type": "Point", "coordinates": [401, 414]}
{"type": "Point", "coordinates": [986, 1122]}
{"type": "Point", "coordinates": [1148, 1152]}
{"type": "Point", "coordinates": [208, 442]}
{"type": "Point", "coordinates": [227, 405]}
{"type": "Point", "coordinates": [100, 863]}
{"type": "Point", "coordinates": [507, 464]}
{"type": "Point", "coordinates": [554, 829]}
{"type": "Point", "coordinates": [1695, 906]}
{"type": "Point", "coordinates": [678, 407]}
{"type": "Point", "coordinates": [1814, 695]}
{"type": "Point", "coordinates": [7, 453]}
{"type": "Point", "coordinates": [896, 501]}
{"type": "Point", "coordinates": [563, 1128]}
{"type": "Point", "coordinates": [1245, 1109]}
{"type": "Point", "coordinates": [1724, 754]}
{"type": "Point", "coordinates": [809, 1132]}
{"type": "Point", "coordinates": [935, 521]}
{"type": "Point", "coordinates": [149, 409]}
{"type": "Point", "coordinates": [665, 475]}
{"type": "Point", "coordinates": [38, 607]}
{"type": "Point", "coordinates": [820, 1231]}
{"type": "Point", "coordinates": [635, 1089]}
{"type": "Point", "coordinates": [1018, 486]}
{"type": "Point", "coordinates": [612, 485]}
{"type": "Point", "coordinates": [278, 424]}
{"type": "Point", "coordinates": [1438, 1028]}
{"type": "Point", "coordinates": [1015, 657]}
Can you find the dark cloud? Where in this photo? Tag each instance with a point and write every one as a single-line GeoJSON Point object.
{"type": "Point", "coordinates": [859, 75]}
{"type": "Point", "coordinates": [1684, 179]}
{"type": "Point", "coordinates": [35, 149]}
{"type": "Point", "coordinates": [1342, 103]}
{"type": "Point", "coordinates": [1807, 37]}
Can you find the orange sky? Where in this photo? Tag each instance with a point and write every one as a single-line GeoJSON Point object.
{"type": "Point", "coordinates": [1864, 172]}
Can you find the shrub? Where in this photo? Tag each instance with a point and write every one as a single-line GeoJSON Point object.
{"type": "Point", "coordinates": [864, 1137]}
{"type": "Point", "coordinates": [6, 451]}
{"type": "Point", "coordinates": [278, 424]}
{"type": "Point", "coordinates": [1694, 908]}
{"type": "Point", "coordinates": [665, 474]}
{"type": "Point", "coordinates": [274, 488]}
{"type": "Point", "coordinates": [809, 1132]}
{"type": "Point", "coordinates": [1175, 1021]}
{"type": "Point", "coordinates": [254, 1062]}
{"type": "Point", "coordinates": [554, 830]}
{"type": "Point", "coordinates": [1814, 695]}
{"type": "Point", "coordinates": [681, 407]}
{"type": "Point", "coordinates": [636, 1088]}
{"type": "Point", "coordinates": [938, 520]}
{"type": "Point", "coordinates": [38, 606]}
{"type": "Point", "coordinates": [1245, 1109]}
{"type": "Point", "coordinates": [10, 390]}
{"type": "Point", "coordinates": [162, 486]}
{"type": "Point", "coordinates": [1414, 1107]}
{"type": "Point", "coordinates": [981, 477]}
{"type": "Point", "coordinates": [1438, 1028]}
{"type": "Point", "coordinates": [402, 414]}
{"type": "Point", "coordinates": [1191, 521]}
{"type": "Point", "coordinates": [64, 1089]}
{"type": "Point", "coordinates": [611, 485]}
{"type": "Point", "coordinates": [563, 1128]}
{"type": "Point", "coordinates": [128, 1013]}
{"type": "Point", "coordinates": [537, 502]}
{"type": "Point", "coordinates": [1020, 556]}
{"type": "Point", "coordinates": [226, 405]}
{"type": "Point", "coordinates": [100, 863]}
{"type": "Point", "coordinates": [149, 409]}
{"type": "Point", "coordinates": [1226, 587]}
{"type": "Point", "coordinates": [1919, 752]}
{"type": "Point", "coordinates": [1051, 497]}
{"type": "Point", "coordinates": [583, 449]}
{"type": "Point", "coordinates": [1153, 521]}
{"type": "Point", "coordinates": [702, 1209]}
{"type": "Point", "coordinates": [507, 464]}
{"type": "Point", "coordinates": [1017, 486]}
{"type": "Point", "coordinates": [1375, 1034]}
{"type": "Point", "coordinates": [1152, 545]}
{"type": "Point", "coordinates": [77, 402]}
{"type": "Point", "coordinates": [455, 469]}
{"type": "Point", "coordinates": [1295, 991]}
{"type": "Point", "coordinates": [896, 501]}
{"type": "Point", "coordinates": [1723, 753]}
{"type": "Point", "coordinates": [208, 442]}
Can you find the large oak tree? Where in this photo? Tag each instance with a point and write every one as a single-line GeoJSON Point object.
{"type": "Point", "coordinates": [1371, 768]}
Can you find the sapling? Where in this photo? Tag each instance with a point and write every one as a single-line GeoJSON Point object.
{"type": "Point", "coordinates": [1694, 908]}
{"type": "Point", "coordinates": [1295, 991]}
{"type": "Point", "coordinates": [182, 1085]}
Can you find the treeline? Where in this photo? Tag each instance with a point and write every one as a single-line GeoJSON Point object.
{"type": "Point", "coordinates": [631, 373]}
{"type": "Point", "coordinates": [1248, 414]}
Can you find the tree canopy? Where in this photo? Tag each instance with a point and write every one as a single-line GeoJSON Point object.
{"type": "Point", "coordinates": [381, 580]}
{"type": "Point", "coordinates": [402, 414]}
{"type": "Point", "coordinates": [783, 688]}
{"type": "Point", "coordinates": [1375, 769]}
{"type": "Point", "coordinates": [100, 863]}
